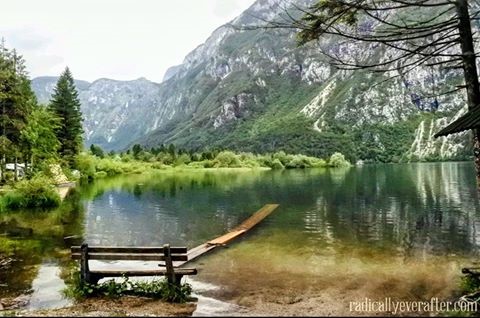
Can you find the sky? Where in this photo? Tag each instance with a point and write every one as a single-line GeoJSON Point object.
{"type": "Point", "coordinates": [117, 39]}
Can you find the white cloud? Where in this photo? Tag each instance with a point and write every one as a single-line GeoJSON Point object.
{"type": "Point", "coordinates": [120, 39]}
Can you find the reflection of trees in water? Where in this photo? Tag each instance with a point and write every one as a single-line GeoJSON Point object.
{"type": "Point", "coordinates": [420, 209]}
{"type": "Point", "coordinates": [32, 237]}
{"type": "Point", "coordinates": [179, 208]}
{"type": "Point", "coordinates": [417, 210]}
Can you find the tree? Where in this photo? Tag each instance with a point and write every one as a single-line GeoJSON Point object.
{"type": "Point", "coordinates": [136, 149]}
{"type": "Point", "coordinates": [412, 33]}
{"type": "Point", "coordinates": [17, 100]}
{"type": "Point", "coordinates": [39, 136]}
{"type": "Point", "coordinates": [97, 151]}
{"type": "Point", "coordinates": [66, 106]}
{"type": "Point", "coordinates": [171, 150]}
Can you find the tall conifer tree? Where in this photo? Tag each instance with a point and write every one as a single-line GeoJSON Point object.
{"type": "Point", "coordinates": [66, 105]}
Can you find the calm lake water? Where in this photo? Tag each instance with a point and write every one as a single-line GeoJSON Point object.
{"type": "Point", "coordinates": [339, 235]}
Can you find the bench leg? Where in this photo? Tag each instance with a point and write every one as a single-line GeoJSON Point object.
{"type": "Point", "coordinates": [175, 279]}
{"type": "Point", "coordinates": [93, 279]}
{"type": "Point", "coordinates": [178, 280]}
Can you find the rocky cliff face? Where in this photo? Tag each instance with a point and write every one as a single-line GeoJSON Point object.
{"type": "Point", "coordinates": [257, 91]}
{"type": "Point", "coordinates": [114, 112]}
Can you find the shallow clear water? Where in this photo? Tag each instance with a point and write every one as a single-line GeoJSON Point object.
{"type": "Point", "coordinates": [372, 231]}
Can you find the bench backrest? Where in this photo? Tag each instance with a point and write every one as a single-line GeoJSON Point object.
{"type": "Point", "coordinates": [130, 253]}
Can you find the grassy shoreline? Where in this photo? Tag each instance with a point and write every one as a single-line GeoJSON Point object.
{"type": "Point", "coordinates": [40, 192]}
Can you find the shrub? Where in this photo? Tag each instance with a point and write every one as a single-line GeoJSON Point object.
{"type": "Point", "coordinates": [226, 159]}
{"type": "Point", "coordinates": [277, 164]}
{"type": "Point", "coordinates": [338, 160]}
{"type": "Point", "coordinates": [86, 166]}
{"type": "Point", "coordinates": [100, 174]}
{"type": "Point", "coordinates": [282, 157]}
{"type": "Point", "coordinates": [165, 158]}
{"type": "Point", "coordinates": [250, 163]}
{"type": "Point", "coordinates": [197, 165]}
{"type": "Point", "coordinates": [159, 165]}
{"type": "Point", "coordinates": [296, 162]}
{"type": "Point", "coordinates": [183, 159]}
{"type": "Point", "coordinates": [265, 160]}
{"type": "Point", "coordinates": [38, 192]}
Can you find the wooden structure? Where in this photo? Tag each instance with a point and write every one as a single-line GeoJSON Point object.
{"type": "Point", "coordinates": [234, 233]}
{"type": "Point", "coordinates": [166, 253]}
{"type": "Point", "coordinates": [470, 120]}
{"type": "Point", "coordinates": [174, 257]}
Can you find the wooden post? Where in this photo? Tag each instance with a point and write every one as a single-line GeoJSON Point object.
{"type": "Point", "coordinates": [169, 264]}
{"type": "Point", "coordinates": [84, 270]}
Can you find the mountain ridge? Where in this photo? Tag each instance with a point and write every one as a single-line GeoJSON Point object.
{"type": "Point", "coordinates": [257, 91]}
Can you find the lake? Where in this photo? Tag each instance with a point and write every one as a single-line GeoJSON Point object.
{"type": "Point", "coordinates": [395, 230]}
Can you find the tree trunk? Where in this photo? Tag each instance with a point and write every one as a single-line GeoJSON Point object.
{"type": "Point", "coordinates": [470, 72]}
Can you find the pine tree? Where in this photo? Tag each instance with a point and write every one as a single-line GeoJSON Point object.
{"type": "Point", "coordinates": [65, 104]}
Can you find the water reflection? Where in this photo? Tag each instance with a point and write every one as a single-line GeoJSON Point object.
{"type": "Point", "coordinates": [414, 208]}
{"type": "Point", "coordinates": [31, 238]}
{"type": "Point", "coordinates": [371, 230]}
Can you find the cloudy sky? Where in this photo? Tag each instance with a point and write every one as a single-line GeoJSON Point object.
{"type": "Point", "coordinates": [118, 39]}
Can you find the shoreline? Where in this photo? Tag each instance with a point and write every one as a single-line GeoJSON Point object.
{"type": "Point", "coordinates": [106, 307]}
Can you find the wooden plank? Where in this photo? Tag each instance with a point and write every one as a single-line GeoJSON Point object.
{"type": "Point", "coordinates": [242, 228]}
{"type": "Point", "coordinates": [222, 240]}
{"type": "Point", "coordinates": [154, 272]}
{"type": "Point", "coordinates": [199, 251]}
{"type": "Point", "coordinates": [129, 257]}
{"type": "Point", "coordinates": [129, 249]}
{"type": "Point", "coordinates": [256, 218]}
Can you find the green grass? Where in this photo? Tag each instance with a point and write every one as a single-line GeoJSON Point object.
{"type": "Point", "coordinates": [92, 167]}
{"type": "Point", "coordinates": [38, 192]}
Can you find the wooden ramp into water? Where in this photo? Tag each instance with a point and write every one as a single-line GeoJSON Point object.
{"type": "Point", "coordinates": [233, 234]}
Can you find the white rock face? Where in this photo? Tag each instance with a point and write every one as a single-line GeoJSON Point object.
{"type": "Point", "coordinates": [234, 108]}
{"type": "Point", "coordinates": [236, 73]}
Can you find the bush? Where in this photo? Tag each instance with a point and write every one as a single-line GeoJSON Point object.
{"type": "Point", "coordinates": [296, 162]}
{"type": "Point", "coordinates": [100, 174]}
{"type": "Point", "coordinates": [250, 163]}
{"type": "Point", "coordinates": [338, 160]}
{"type": "Point", "coordinates": [227, 159]}
{"type": "Point", "coordinates": [86, 166]}
{"type": "Point", "coordinates": [183, 159]}
{"type": "Point", "coordinates": [277, 164]}
{"type": "Point", "coordinates": [282, 157]}
{"type": "Point", "coordinates": [38, 192]}
{"type": "Point", "coordinates": [165, 158]}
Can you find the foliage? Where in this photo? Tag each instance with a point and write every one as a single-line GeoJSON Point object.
{"type": "Point", "coordinates": [66, 106]}
{"type": "Point", "coordinates": [226, 159]}
{"type": "Point", "coordinates": [17, 101]}
{"type": "Point", "coordinates": [470, 284]}
{"type": "Point", "coordinates": [86, 165]}
{"type": "Point", "coordinates": [97, 151]}
{"type": "Point", "coordinates": [38, 192]}
{"type": "Point", "coordinates": [157, 288]}
{"type": "Point", "coordinates": [338, 160]}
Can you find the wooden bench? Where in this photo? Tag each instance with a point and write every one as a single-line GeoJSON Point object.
{"type": "Point", "coordinates": [167, 254]}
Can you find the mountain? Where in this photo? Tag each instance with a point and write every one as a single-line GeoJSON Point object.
{"type": "Point", "coordinates": [115, 112]}
{"type": "Point", "coordinates": [257, 91]}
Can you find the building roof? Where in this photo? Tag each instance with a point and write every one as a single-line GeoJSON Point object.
{"type": "Point", "coordinates": [470, 120]}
